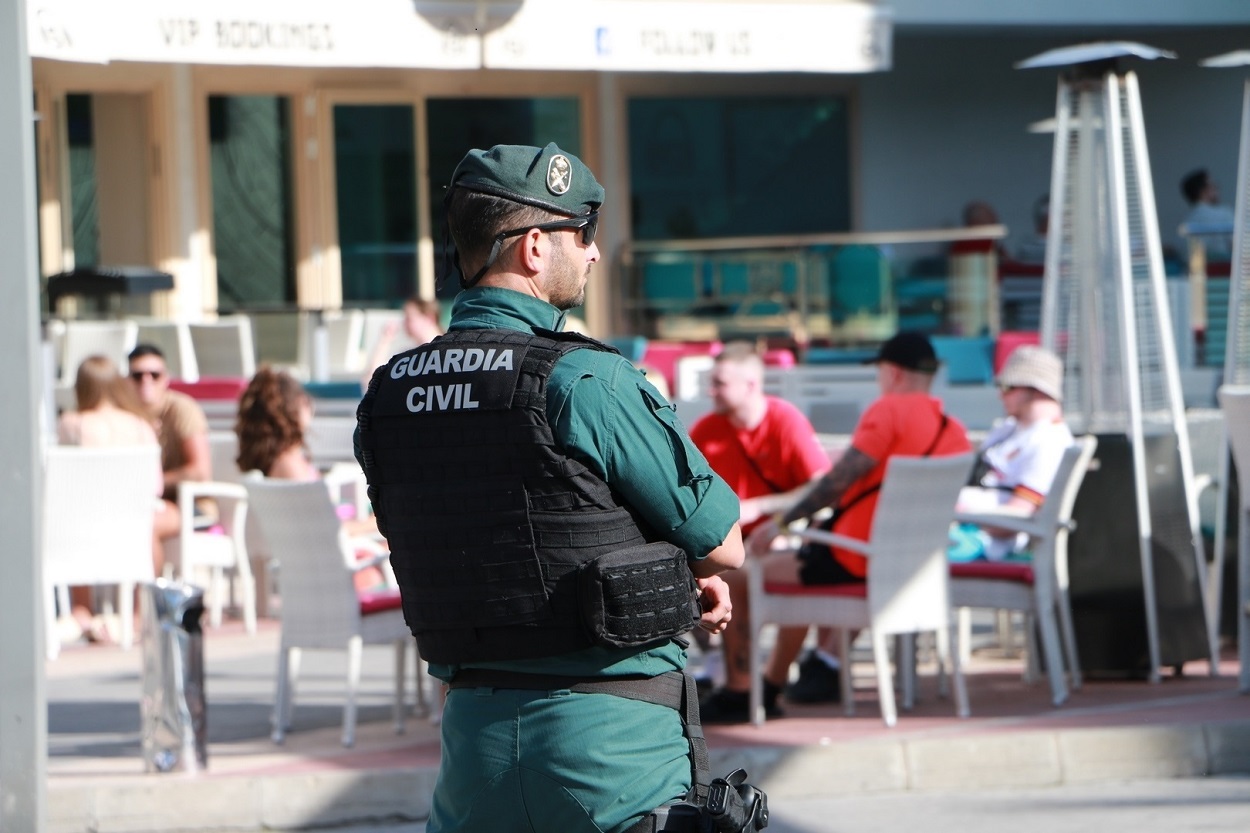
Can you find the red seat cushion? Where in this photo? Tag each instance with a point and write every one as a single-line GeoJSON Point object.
{"type": "Point", "coordinates": [211, 388]}
{"type": "Point", "coordinates": [378, 601]}
{"type": "Point", "coordinates": [848, 591]}
{"type": "Point", "coordinates": [1020, 571]}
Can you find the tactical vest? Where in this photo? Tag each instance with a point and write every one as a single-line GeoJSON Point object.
{"type": "Point", "coordinates": [503, 546]}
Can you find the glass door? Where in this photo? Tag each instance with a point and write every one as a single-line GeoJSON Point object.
{"type": "Point", "coordinates": [250, 167]}
{"type": "Point", "coordinates": [376, 185]}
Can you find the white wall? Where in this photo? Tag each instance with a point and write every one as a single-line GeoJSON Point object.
{"type": "Point", "coordinates": [948, 124]}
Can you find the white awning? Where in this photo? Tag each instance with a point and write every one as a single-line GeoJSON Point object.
{"type": "Point", "coordinates": [608, 35]}
{"type": "Point", "coordinates": [301, 33]}
{"type": "Point", "coordinates": [693, 36]}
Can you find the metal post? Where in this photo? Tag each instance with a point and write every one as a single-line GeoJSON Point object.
{"type": "Point", "coordinates": [23, 707]}
{"type": "Point", "coordinates": [1123, 276]}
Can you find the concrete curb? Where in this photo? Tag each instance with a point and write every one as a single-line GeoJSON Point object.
{"type": "Point", "coordinates": [987, 760]}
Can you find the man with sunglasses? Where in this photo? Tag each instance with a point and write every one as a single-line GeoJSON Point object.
{"type": "Point", "coordinates": [179, 420]}
{"type": "Point", "coordinates": [553, 530]}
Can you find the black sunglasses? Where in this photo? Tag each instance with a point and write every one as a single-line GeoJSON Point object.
{"type": "Point", "coordinates": [588, 223]}
{"type": "Point", "coordinates": [138, 375]}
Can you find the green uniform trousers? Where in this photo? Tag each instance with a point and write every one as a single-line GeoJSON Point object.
{"type": "Point", "coordinates": [555, 762]}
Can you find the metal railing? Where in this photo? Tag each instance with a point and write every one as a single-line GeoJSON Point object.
{"type": "Point", "coordinates": [842, 289]}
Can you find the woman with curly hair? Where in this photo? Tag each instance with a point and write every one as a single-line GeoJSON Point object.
{"type": "Point", "coordinates": [274, 414]}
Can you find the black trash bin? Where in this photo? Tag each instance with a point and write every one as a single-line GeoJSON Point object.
{"type": "Point", "coordinates": [173, 709]}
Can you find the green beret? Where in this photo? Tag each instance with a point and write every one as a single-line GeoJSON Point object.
{"type": "Point", "coordinates": [543, 177]}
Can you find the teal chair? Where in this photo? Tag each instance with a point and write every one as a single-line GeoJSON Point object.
{"type": "Point", "coordinates": [968, 361]}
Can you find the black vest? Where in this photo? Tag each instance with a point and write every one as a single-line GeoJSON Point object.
{"type": "Point", "coordinates": [491, 526]}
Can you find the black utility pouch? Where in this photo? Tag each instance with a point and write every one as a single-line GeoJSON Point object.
{"type": "Point", "coordinates": [638, 595]}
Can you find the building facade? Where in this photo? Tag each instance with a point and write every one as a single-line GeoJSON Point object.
{"type": "Point", "coordinates": [279, 155]}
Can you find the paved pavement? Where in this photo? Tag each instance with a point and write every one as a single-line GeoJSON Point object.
{"type": "Point", "coordinates": [1219, 804]}
{"type": "Point", "coordinates": [1189, 725]}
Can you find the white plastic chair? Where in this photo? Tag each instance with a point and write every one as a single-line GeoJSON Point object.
{"type": "Point", "coordinates": [1040, 587]}
{"type": "Point", "coordinates": [216, 551]}
{"type": "Point", "coordinates": [225, 347]}
{"type": "Point", "coordinates": [345, 343]}
{"type": "Point", "coordinates": [907, 588]}
{"type": "Point", "coordinates": [1235, 402]}
{"type": "Point", "coordinates": [174, 340]}
{"type": "Point", "coordinates": [114, 339]}
{"type": "Point", "coordinates": [223, 449]}
{"type": "Point", "coordinates": [98, 512]}
{"type": "Point", "coordinates": [321, 608]}
{"type": "Point", "coordinates": [329, 440]}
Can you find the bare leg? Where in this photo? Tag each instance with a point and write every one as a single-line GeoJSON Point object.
{"type": "Point", "coordinates": [780, 567]}
{"type": "Point", "coordinates": [167, 524]}
{"type": "Point", "coordinates": [785, 651]}
{"type": "Point", "coordinates": [734, 638]}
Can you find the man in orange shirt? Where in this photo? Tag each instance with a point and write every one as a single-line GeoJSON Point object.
{"type": "Point", "coordinates": [905, 420]}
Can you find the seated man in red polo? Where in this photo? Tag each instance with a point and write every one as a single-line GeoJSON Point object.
{"type": "Point", "coordinates": [904, 420]}
{"type": "Point", "coordinates": [762, 446]}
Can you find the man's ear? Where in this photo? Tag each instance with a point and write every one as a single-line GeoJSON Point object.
{"type": "Point", "coordinates": [533, 251]}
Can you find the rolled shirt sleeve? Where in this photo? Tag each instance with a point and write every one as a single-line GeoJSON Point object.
{"type": "Point", "coordinates": [610, 418]}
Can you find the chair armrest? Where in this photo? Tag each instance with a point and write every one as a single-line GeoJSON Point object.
{"type": "Point", "coordinates": [374, 544]}
{"type": "Point", "coordinates": [1015, 521]}
{"type": "Point", "coordinates": [835, 540]}
{"type": "Point", "coordinates": [190, 490]}
{"type": "Point", "coordinates": [373, 560]}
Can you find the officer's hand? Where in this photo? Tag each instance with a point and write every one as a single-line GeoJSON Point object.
{"type": "Point", "coordinates": [760, 541]}
{"type": "Point", "coordinates": [715, 602]}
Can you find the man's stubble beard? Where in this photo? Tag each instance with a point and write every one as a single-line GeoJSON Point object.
{"type": "Point", "coordinates": [568, 290]}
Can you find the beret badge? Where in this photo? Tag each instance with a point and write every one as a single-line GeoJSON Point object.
{"type": "Point", "coordinates": [559, 175]}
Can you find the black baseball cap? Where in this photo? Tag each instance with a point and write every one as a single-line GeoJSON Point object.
{"type": "Point", "coordinates": [909, 350]}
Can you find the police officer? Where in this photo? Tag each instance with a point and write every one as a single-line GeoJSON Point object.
{"type": "Point", "coordinates": [552, 528]}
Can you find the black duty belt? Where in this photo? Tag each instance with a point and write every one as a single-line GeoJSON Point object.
{"type": "Point", "coordinates": [673, 689]}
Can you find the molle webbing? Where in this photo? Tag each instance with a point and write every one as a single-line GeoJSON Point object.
{"type": "Point", "coordinates": [488, 519]}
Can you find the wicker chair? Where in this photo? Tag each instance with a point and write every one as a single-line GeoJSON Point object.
{"type": "Point", "coordinates": [906, 591]}
{"type": "Point", "coordinates": [1039, 588]}
{"type": "Point", "coordinates": [321, 609]}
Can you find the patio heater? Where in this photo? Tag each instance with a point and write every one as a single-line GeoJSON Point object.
{"type": "Point", "coordinates": [1136, 568]}
{"type": "Point", "coordinates": [1237, 369]}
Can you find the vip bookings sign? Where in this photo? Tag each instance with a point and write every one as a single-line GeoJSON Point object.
{"type": "Point", "coordinates": [606, 35]}
{"type": "Point", "coordinates": [312, 33]}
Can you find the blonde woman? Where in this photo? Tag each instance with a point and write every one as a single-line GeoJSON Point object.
{"type": "Point", "coordinates": [109, 414]}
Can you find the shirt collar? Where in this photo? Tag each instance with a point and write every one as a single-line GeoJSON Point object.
{"type": "Point", "coordinates": [492, 306]}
